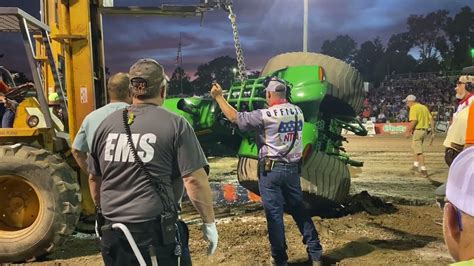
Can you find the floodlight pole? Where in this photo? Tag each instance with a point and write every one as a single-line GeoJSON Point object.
{"type": "Point", "coordinates": [305, 27]}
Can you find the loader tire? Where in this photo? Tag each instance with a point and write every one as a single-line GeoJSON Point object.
{"type": "Point", "coordinates": [39, 201]}
{"type": "Point", "coordinates": [346, 90]}
{"type": "Point", "coordinates": [325, 182]}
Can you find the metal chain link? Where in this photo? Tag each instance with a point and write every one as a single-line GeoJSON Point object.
{"type": "Point", "coordinates": [238, 48]}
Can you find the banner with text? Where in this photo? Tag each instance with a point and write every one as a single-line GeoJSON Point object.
{"type": "Point", "coordinates": [391, 128]}
{"type": "Point", "coordinates": [381, 128]}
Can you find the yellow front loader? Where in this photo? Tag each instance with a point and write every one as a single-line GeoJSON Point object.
{"type": "Point", "coordinates": [43, 195]}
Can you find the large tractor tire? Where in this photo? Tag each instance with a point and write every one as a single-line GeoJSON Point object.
{"type": "Point", "coordinates": [346, 92]}
{"type": "Point", "coordinates": [247, 174]}
{"type": "Point", "coordinates": [325, 181]}
{"type": "Point", "coordinates": [39, 202]}
{"type": "Point", "coordinates": [325, 178]}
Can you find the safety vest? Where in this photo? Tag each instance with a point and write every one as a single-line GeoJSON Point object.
{"type": "Point", "coordinates": [470, 126]}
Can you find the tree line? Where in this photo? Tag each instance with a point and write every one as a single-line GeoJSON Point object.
{"type": "Point", "coordinates": [220, 69]}
{"type": "Point", "coordinates": [440, 42]}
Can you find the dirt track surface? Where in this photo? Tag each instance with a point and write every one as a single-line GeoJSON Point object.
{"type": "Point", "coordinates": [409, 232]}
{"type": "Point", "coordinates": [387, 174]}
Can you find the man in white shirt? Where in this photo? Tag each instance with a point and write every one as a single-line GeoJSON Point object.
{"type": "Point", "coordinates": [464, 93]}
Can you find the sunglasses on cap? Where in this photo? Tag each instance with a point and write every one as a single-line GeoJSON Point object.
{"type": "Point", "coordinates": [442, 204]}
{"type": "Point", "coordinates": [273, 78]}
{"type": "Point", "coordinates": [139, 82]}
{"type": "Point", "coordinates": [142, 83]}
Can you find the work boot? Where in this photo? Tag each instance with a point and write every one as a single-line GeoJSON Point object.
{"type": "Point", "coordinates": [273, 262]}
{"type": "Point", "coordinates": [424, 173]}
{"type": "Point", "coordinates": [314, 262]}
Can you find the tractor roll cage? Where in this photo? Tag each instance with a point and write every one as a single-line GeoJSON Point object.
{"type": "Point", "coordinates": [13, 19]}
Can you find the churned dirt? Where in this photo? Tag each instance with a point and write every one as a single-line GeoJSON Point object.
{"type": "Point", "coordinates": [394, 218]}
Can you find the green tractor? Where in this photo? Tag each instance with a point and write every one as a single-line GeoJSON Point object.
{"type": "Point", "coordinates": [330, 93]}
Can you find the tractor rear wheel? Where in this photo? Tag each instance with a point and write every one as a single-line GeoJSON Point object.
{"type": "Point", "coordinates": [325, 181]}
{"type": "Point", "coordinates": [247, 174]}
{"type": "Point", "coordinates": [346, 90]}
{"type": "Point", "coordinates": [325, 178]}
{"type": "Point", "coordinates": [39, 202]}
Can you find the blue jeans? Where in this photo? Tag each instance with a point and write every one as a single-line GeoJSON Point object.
{"type": "Point", "coordinates": [8, 118]}
{"type": "Point", "coordinates": [282, 186]}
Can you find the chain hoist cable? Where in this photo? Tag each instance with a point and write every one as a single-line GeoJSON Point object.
{"type": "Point", "coordinates": [241, 68]}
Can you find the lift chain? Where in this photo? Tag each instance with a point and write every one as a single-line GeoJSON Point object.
{"type": "Point", "coordinates": [238, 48]}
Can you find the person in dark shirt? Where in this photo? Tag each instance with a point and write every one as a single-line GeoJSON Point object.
{"type": "Point", "coordinates": [140, 188]}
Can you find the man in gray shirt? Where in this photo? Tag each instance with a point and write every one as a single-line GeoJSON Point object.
{"type": "Point", "coordinates": [166, 144]}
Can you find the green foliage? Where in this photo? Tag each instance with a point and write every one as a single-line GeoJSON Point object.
{"type": "Point", "coordinates": [219, 69]}
{"type": "Point", "coordinates": [426, 31]}
{"type": "Point", "coordinates": [460, 33]}
{"type": "Point", "coordinates": [443, 42]}
{"type": "Point", "coordinates": [400, 43]}
{"type": "Point", "coordinates": [342, 47]}
{"type": "Point", "coordinates": [179, 83]}
{"type": "Point", "coordinates": [367, 56]}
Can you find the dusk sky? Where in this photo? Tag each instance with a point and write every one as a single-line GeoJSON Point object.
{"type": "Point", "coordinates": [267, 28]}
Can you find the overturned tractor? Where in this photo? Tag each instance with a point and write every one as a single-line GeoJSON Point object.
{"type": "Point", "coordinates": [330, 93]}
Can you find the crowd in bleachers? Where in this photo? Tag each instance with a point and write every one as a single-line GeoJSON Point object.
{"type": "Point", "coordinates": [385, 103]}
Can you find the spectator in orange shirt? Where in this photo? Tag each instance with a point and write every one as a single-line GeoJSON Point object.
{"type": "Point", "coordinates": [470, 128]}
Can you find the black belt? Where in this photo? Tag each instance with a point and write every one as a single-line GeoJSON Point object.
{"type": "Point", "coordinates": [276, 161]}
{"type": "Point", "coordinates": [138, 227]}
{"type": "Point", "coordinates": [425, 129]}
{"type": "Point", "coordinates": [284, 163]}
